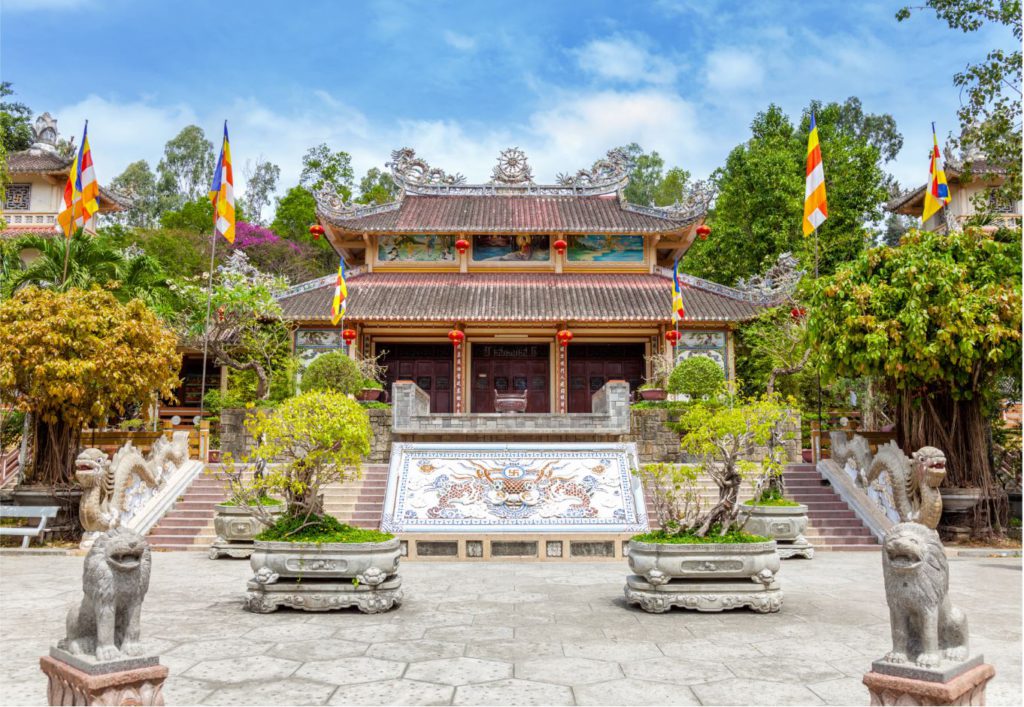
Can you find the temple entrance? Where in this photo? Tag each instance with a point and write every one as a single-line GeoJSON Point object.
{"type": "Point", "coordinates": [593, 365]}
{"type": "Point", "coordinates": [430, 365]}
{"type": "Point", "coordinates": [509, 368]}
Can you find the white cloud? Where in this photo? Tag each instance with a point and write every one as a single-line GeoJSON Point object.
{"type": "Point", "coordinates": [733, 70]}
{"type": "Point", "coordinates": [458, 41]}
{"type": "Point", "coordinates": [621, 59]}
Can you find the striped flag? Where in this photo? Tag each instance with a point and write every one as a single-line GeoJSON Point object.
{"type": "Point", "coordinates": [815, 203]}
{"type": "Point", "coordinates": [81, 193]}
{"type": "Point", "coordinates": [936, 195]}
{"type": "Point", "coordinates": [678, 311]}
{"type": "Point", "coordinates": [339, 304]}
{"type": "Point", "coordinates": [222, 192]}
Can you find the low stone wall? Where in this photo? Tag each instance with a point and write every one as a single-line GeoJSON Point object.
{"type": "Point", "coordinates": [380, 446]}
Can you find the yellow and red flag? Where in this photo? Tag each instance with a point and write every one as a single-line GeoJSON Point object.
{"type": "Point", "coordinates": [222, 192]}
{"type": "Point", "coordinates": [678, 310]}
{"type": "Point", "coordinates": [936, 195]}
{"type": "Point", "coordinates": [81, 193]}
{"type": "Point", "coordinates": [815, 203]}
{"type": "Point", "coordinates": [339, 304]}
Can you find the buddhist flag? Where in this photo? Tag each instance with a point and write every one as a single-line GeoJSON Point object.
{"type": "Point", "coordinates": [222, 192]}
{"type": "Point", "coordinates": [815, 203]}
{"type": "Point", "coordinates": [678, 311]}
{"type": "Point", "coordinates": [81, 193]}
{"type": "Point", "coordinates": [339, 304]}
{"type": "Point", "coordinates": [937, 194]}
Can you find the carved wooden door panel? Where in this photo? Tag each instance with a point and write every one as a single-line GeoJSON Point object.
{"type": "Point", "coordinates": [593, 365]}
{"type": "Point", "coordinates": [510, 368]}
{"type": "Point", "coordinates": [429, 365]}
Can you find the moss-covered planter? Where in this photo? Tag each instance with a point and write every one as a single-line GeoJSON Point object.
{"type": "Point", "coordinates": [324, 576]}
{"type": "Point", "coordinates": [785, 524]}
{"type": "Point", "coordinates": [236, 528]}
{"type": "Point", "coordinates": [705, 577]}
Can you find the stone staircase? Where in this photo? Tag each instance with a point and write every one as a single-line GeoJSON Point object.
{"type": "Point", "coordinates": [359, 503]}
{"type": "Point", "coordinates": [189, 523]}
{"type": "Point", "coordinates": [832, 524]}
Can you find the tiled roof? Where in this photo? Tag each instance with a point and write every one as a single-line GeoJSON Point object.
{"type": "Point", "coordinates": [36, 160]}
{"type": "Point", "coordinates": [526, 297]}
{"type": "Point", "coordinates": [518, 214]}
{"type": "Point", "coordinates": [17, 231]}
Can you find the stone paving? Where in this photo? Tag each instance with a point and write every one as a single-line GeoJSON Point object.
{"type": "Point", "coordinates": [509, 633]}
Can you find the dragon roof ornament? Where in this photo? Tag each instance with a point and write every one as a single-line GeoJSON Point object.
{"type": "Point", "coordinates": [694, 205]}
{"type": "Point", "coordinates": [612, 173]}
{"type": "Point", "coordinates": [411, 172]}
{"type": "Point", "coordinates": [777, 283]}
{"type": "Point", "coordinates": [333, 204]}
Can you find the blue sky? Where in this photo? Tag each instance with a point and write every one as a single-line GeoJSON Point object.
{"type": "Point", "coordinates": [459, 81]}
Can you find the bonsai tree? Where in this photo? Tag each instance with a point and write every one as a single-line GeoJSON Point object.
{"type": "Point", "coordinates": [698, 377]}
{"type": "Point", "coordinates": [660, 368]}
{"type": "Point", "coordinates": [334, 371]}
{"type": "Point", "coordinates": [937, 321]}
{"type": "Point", "coordinates": [75, 358]}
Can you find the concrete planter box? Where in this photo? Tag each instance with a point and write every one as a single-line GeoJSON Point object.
{"type": "Point", "coordinates": [705, 577]}
{"type": "Point", "coordinates": [785, 524]}
{"type": "Point", "coordinates": [321, 577]}
{"type": "Point", "coordinates": [236, 528]}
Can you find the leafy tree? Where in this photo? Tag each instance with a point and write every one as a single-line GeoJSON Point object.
{"type": "Point", "coordinates": [296, 210]}
{"type": "Point", "coordinates": [648, 184]}
{"type": "Point", "coordinates": [990, 112]}
{"type": "Point", "coordinates": [291, 260]}
{"type": "Point", "coordinates": [672, 187]}
{"type": "Point", "coordinates": [377, 187]}
{"type": "Point", "coordinates": [893, 229]}
{"type": "Point", "coordinates": [15, 122]}
{"type": "Point", "coordinates": [138, 183]}
{"type": "Point", "coordinates": [195, 216]}
{"type": "Point", "coordinates": [180, 253]}
{"type": "Point", "coordinates": [937, 320]}
{"type": "Point", "coordinates": [334, 371]}
{"type": "Point", "coordinates": [759, 206]}
{"type": "Point", "coordinates": [260, 184]}
{"type": "Point", "coordinates": [76, 357]}
{"type": "Point", "coordinates": [322, 168]}
{"type": "Point", "coordinates": [186, 170]}
{"type": "Point", "coordinates": [697, 377]}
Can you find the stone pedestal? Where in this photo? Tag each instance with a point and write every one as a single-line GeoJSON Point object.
{"type": "Point", "coordinates": [324, 595]}
{"type": "Point", "coordinates": [796, 548]}
{"type": "Point", "coordinates": [703, 595]}
{"type": "Point", "coordinates": [964, 688]}
{"type": "Point", "coordinates": [69, 685]}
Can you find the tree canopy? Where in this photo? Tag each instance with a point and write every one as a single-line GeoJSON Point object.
{"type": "Point", "coordinates": [186, 170]}
{"type": "Point", "coordinates": [15, 121]}
{"type": "Point", "coordinates": [324, 168]}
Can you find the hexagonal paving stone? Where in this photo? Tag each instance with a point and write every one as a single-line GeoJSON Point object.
{"type": "Point", "coordinates": [320, 649]}
{"type": "Point", "coordinates": [348, 671]}
{"type": "Point", "coordinates": [459, 671]}
{"type": "Point", "coordinates": [393, 692]}
{"type": "Point", "coordinates": [700, 649]}
{"type": "Point", "coordinates": [513, 692]}
{"type": "Point", "coordinates": [785, 669]}
{"type": "Point", "coordinates": [629, 691]}
{"type": "Point", "coordinates": [182, 691]}
{"type": "Point", "coordinates": [282, 633]}
{"type": "Point", "coordinates": [847, 691]}
{"type": "Point", "coordinates": [512, 650]}
{"type": "Point", "coordinates": [242, 669]}
{"type": "Point", "coordinates": [273, 692]}
{"type": "Point", "coordinates": [614, 651]}
{"type": "Point", "coordinates": [804, 649]}
{"type": "Point", "coordinates": [376, 633]}
{"type": "Point", "coordinates": [465, 634]}
{"type": "Point", "coordinates": [568, 671]}
{"type": "Point", "coordinates": [738, 691]}
{"type": "Point", "coordinates": [222, 648]}
{"type": "Point", "coordinates": [410, 651]}
{"type": "Point", "coordinates": [676, 671]}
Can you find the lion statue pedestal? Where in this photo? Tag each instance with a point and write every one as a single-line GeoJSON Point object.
{"type": "Point", "coordinates": [929, 663]}
{"type": "Point", "coordinates": [101, 660]}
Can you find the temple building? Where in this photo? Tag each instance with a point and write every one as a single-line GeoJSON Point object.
{"type": "Point", "coordinates": [547, 290]}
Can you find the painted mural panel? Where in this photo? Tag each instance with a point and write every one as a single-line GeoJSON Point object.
{"type": "Point", "coordinates": [605, 249]}
{"type": "Point", "coordinates": [491, 248]}
{"type": "Point", "coordinates": [310, 343]}
{"type": "Point", "coordinates": [416, 248]}
{"type": "Point", "coordinates": [712, 344]}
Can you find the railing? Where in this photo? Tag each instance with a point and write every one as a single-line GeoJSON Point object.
{"type": "Point", "coordinates": [30, 218]}
{"type": "Point", "coordinates": [821, 444]}
{"type": "Point", "coordinates": [8, 466]}
{"type": "Point", "coordinates": [109, 441]}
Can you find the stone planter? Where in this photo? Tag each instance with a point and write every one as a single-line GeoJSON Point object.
{"type": "Point", "coordinates": [784, 524]}
{"type": "Point", "coordinates": [369, 394]}
{"type": "Point", "coordinates": [958, 500]}
{"type": "Point", "coordinates": [653, 394]}
{"type": "Point", "coordinates": [321, 577]}
{"type": "Point", "coordinates": [236, 528]}
{"type": "Point", "coordinates": [705, 577]}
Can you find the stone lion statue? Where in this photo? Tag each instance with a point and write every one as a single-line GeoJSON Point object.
{"type": "Point", "coordinates": [926, 628]}
{"type": "Point", "coordinates": [115, 580]}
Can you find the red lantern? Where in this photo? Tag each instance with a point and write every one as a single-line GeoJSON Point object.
{"type": "Point", "coordinates": [316, 230]}
{"type": "Point", "coordinates": [560, 246]}
{"type": "Point", "coordinates": [797, 312]}
{"type": "Point", "coordinates": [703, 231]}
{"type": "Point", "coordinates": [462, 245]}
{"type": "Point", "coordinates": [564, 337]}
{"type": "Point", "coordinates": [456, 337]}
{"type": "Point", "coordinates": [349, 335]}
{"type": "Point", "coordinates": [672, 336]}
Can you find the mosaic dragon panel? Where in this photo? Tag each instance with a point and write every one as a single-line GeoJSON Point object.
{"type": "Point", "coordinates": [513, 487]}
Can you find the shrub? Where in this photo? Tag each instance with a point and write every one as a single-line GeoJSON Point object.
{"type": "Point", "coordinates": [333, 371]}
{"type": "Point", "coordinates": [697, 377]}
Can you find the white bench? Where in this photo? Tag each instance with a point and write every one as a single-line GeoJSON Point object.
{"type": "Point", "coordinates": [43, 513]}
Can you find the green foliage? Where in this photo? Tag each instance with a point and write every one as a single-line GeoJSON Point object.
{"type": "Point", "coordinates": [698, 377]}
{"type": "Point", "coordinates": [715, 536]}
{"type": "Point", "coordinates": [770, 497]}
{"type": "Point", "coordinates": [180, 253]}
{"type": "Point", "coordinates": [15, 122]}
{"type": "Point", "coordinates": [324, 169]}
{"type": "Point", "coordinates": [264, 501]}
{"type": "Point", "coordinates": [648, 184]}
{"type": "Point", "coordinates": [137, 184]}
{"type": "Point", "coordinates": [260, 184]}
{"type": "Point", "coordinates": [333, 371]}
{"type": "Point", "coordinates": [296, 211]}
{"type": "Point", "coordinates": [375, 405]}
{"type": "Point", "coordinates": [195, 216]}
{"type": "Point", "coordinates": [377, 187]}
{"type": "Point", "coordinates": [320, 529]}
{"type": "Point", "coordinates": [186, 170]}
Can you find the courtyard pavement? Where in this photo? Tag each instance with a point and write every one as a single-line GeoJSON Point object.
{"type": "Point", "coordinates": [509, 633]}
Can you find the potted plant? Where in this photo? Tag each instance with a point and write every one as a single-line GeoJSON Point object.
{"type": "Point", "coordinates": [705, 559]}
{"type": "Point", "coordinates": [237, 521]}
{"type": "Point", "coordinates": [307, 559]}
{"type": "Point", "coordinates": [372, 391]}
{"type": "Point", "coordinates": [653, 387]}
{"type": "Point", "coordinates": [771, 514]}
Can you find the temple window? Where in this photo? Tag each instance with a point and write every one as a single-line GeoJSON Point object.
{"type": "Point", "coordinates": [18, 197]}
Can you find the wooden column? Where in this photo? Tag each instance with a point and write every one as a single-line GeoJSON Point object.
{"type": "Point", "coordinates": [459, 374]}
{"type": "Point", "coordinates": [563, 376]}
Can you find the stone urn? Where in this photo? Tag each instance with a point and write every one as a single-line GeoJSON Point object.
{"type": "Point", "coordinates": [237, 527]}
{"type": "Point", "coordinates": [784, 524]}
{"type": "Point", "coordinates": [652, 394]}
{"type": "Point", "coordinates": [325, 576]}
{"type": "Point", "coordinates": [369, 394]}
{"type": "Point", "coordinates": [705, 576]}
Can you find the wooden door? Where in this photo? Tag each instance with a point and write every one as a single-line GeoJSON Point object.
{"type": "Point", "coordinates": [429, 365]}
{"type": "Point", "coordinates": [593, 365]}
{"type": "Point", "coordinates": [510, 368]}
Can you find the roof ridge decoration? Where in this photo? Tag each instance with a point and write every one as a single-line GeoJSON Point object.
{"type": "Point", "coordinates": [694, 204]}
{"type": "Point", "coordinates": [711, 286]}
{"type": "Point", "coordinates": [512, 168]}
{"type": "Point", "coordinates": [611, 173]}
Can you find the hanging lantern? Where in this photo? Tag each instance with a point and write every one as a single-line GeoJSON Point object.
{"type": "Point", "coordinates": [456, 337]}
{"type": "Point", "coordinates": [560, 246]}
{"type": "Point", "coordinates": [462, 245]}
{"type": "Point", "coordinates": [316, 230]}
{"type": "Point", "coordinates": [672, 336]}
{"type": "Point", "coordinates": [564, 337]}
{"type": "Point", "coordinates": [703, 231]}
{"type": "Point", "coordinates": [349, 335]}
{"type": "Point", "coordinates": [797, 312]}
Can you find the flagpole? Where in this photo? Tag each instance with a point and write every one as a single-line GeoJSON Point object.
{"type": "Point", "coordinates": [206, 325]}
{"type": "Point", "coordinates": [68, 237]}
{"type": "Point", "coordinates": [818, 371]}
